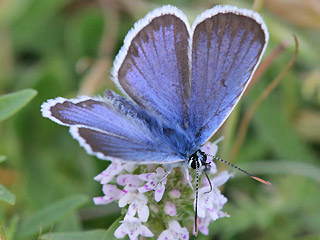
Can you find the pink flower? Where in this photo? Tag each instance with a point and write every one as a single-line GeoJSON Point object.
{"type": "Point", "coordinates": [155, 181]}
{"type": "Point", "coordinates": [112, 170]}
{"type": "Point", "coordinates": [138, 204]}
{"type": "Point", "coordinates": [133, 227]}
{"type": "Point", "coordinates": [130, 183]}
{"type": "Point", "coordinates": [111, 193]}
{"type": "Point", "coordinates": [175, 232]}
{"type": "Point", "coordinates": [174, 193]}
{"type": "Point", "coordinates": [129, 195]}
{"type": "Point", "coordinates": [170, 209]}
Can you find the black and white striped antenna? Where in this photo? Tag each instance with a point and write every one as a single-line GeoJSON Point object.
{"type": "Point", "coordinates": [240, 169]}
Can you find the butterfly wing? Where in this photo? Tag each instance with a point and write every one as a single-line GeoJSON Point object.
{"type": "Point", "coordinates": [152, 68]}
{"type": "Point", "coordinates": [111, 127]}
{"type": "Point", "coordinates": [227, 45]}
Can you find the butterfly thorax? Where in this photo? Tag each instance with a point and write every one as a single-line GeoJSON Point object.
{"type": "Point", "coordinates": [198, 160]}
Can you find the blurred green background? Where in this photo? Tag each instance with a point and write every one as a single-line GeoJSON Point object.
{"type": "Point", "coordinates": [66, 48]}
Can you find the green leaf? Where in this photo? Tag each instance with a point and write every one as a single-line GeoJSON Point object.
{"type": "Point", "coordinates": [88, 235]}
{"type": "Point", "coordinates": [71, 223]}
{"type": "Point", "coordinates": [12, 227]}
{"type": "Point", "coordinates": [2, 158]}
{"type": "Point", "coordinates": [48, 216]}
{"type": "Point", "coordinates": [6, 195]}
{"type": "Point", "coordinates": [13, 102]}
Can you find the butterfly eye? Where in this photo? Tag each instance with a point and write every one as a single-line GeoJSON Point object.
{"type": "Point", "coordinates": [194, 163]}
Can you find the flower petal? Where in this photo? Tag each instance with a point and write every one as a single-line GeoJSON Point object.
{"type": "Point", "coordinates": [132, 210]}
{"type": "Point", "coordinates": [184, 234]}
{"type": "Point", "coordinates": [166, 235]}
{"type": "Point", "coordinates": [107, 175]}
{"type": "Point", "coordinates": [123, 179]}
{"type": "Point", "coordinates": [221, 179]}
{"type": "Point", "coordinates": [103, 200]}
{"type": "Point", "coordinates": [121, 231]}
{"type": "Point", "coordinates": [143, 213]}
{"type": "Point", "coordinates": [124, 200]}
{"type": "Point", "coordinates": [158, 193]}
{"type": "Point", "coordinates": [145, 188]}
{"type": "Point", "coordinates": [203, 224]}
{"type": "Point", "coordinates": [144, 231]}
{"type": "Point", "coordinates": [129, 167]}
{"type": "Point", "coordinates": [170, 209]}
{"type": "Point", "coordinates": [146, 176]}
{"type": "Point", "coordinates": [110, 189]}
{"type": "Point", "coordinates": [174, 225]}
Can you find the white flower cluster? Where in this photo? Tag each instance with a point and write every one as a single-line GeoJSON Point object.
{"type": "Point", "coordinates": [135, 198]}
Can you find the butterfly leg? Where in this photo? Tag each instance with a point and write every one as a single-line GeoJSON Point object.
{"type": "Point", "coordinates": [185, 168]}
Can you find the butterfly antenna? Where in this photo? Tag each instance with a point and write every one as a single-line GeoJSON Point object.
{"type": "Point", "coordinates": [197, 192]}
{"type": "Point", "coordinates": [240, 169]}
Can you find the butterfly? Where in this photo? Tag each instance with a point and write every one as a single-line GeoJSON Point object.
{"type": "Point", "coordinates": [179, 85]}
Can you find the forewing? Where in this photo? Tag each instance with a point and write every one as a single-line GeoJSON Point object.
{"type": "Point", "coordinates": [109, 128]}
{"type": "Point", "coordinates": [152, 68]}
{"type": "Point", "coordinates": [227, 45]}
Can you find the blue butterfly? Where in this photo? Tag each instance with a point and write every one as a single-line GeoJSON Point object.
{"type": "Point", "coordinates": [180, 84]}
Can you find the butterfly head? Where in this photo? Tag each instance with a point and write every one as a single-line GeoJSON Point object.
{"type": "Point", "coordinates": [199, 160]}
